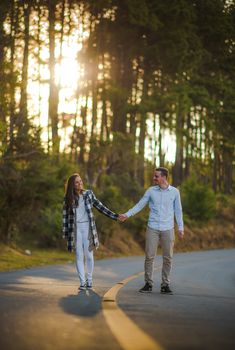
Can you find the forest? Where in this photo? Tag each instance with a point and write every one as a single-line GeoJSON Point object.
{"type": "Point", "coordinates": [112, 89]}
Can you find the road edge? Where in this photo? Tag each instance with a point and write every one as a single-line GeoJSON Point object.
{"type": "Point", "coordinates": [127, 333]}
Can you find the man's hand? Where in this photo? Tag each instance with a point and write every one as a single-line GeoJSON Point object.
{"type": "Point", "coordinates": [122, 217]}
{"type": "Point", "coordinates": [181, 234]}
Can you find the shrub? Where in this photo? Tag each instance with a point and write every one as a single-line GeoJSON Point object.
{"type": "Point", "coordinates": [198, 200]}
{"type": "Point", "coordinates": [31, 200]}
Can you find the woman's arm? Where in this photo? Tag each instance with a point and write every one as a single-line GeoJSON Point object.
{"type": "Point", "coordinates": [102, 208]}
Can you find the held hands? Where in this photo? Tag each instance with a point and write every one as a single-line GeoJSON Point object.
{"type": "Point", "coordinates": [122, 217]}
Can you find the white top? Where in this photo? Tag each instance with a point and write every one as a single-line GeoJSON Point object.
{"type": "Point", "coordinates": [81, 214]}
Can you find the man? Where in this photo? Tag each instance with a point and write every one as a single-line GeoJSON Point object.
{"type": "Point", "coordinates": [164, 203]}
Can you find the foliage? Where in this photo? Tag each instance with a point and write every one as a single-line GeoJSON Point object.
{"type": "Point", "coordinates": [199, 200]}
{"type": "Point", "coordinates": [225, 207]}
{"type": "Point", "coordinates": [12, 258]}
{"type": "Point", "coordinates": [146, 68]}
{"type": "Point", "coordinates": [31, 199]}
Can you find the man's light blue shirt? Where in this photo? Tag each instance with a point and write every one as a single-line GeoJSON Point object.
{"type": "Point", "coordinates": [164, 204]}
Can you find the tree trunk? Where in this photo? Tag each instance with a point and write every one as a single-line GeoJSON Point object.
{"type": "Point", "coordinates": [62, 17]}
{"type": "Point", "coordinates": [187, 147]}
{"type": "Point", "coordinates": [82, 139]}
{"type": "Point", "coordinates": [122, 76]}
{"type": "Point", "coordinates": [14, 25]}
{"type": "Point", "coordinates": [23, 114]}
{"type": "Point", "coordinates": [142, 135]}
{"type": "Point", "coordinates": [53, 93]}
{"type": "Point", "coordinates": [104, 119]}
{"type": "Point", "coordinates": [104, 132]}
{"type": "Point", "coordinates": [215, 166]}
{"type": "Point", "coordinates": [39, 23]}
{"type": "Point", "coordinates": [3, 100]}
{"type": "Point", "coordinates": [160, 152]}
{"type": "Point", "coordinates": [94, 99]}
{"type": "Point", "coordinates": [142, 148]}
{"type": "Point", "coordinates": [178, 166]}
{"type": "Point", "coordinates": [227, 169]}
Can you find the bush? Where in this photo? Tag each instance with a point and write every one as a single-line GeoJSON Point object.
{"type": "Point", "coordinates": [198, 200]}
{"type": "Point", "coordinates": [120, 193]}
{"type": "Point", "coordinates": [31, 200]}
{"type": "Point", "coordinates": [225, 207]}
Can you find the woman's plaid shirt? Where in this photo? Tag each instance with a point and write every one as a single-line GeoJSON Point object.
{"type": "Point", "coordinates": [69, 224]}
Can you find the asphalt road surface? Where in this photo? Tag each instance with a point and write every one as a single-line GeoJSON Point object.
{"type": "Point", "coordinates": [40, 308]}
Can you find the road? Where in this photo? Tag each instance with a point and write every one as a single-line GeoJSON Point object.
{"type": "Point", "coordinates": [40, 308]}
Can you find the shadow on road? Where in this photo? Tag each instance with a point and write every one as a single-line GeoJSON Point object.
{"type": "Point", "coordinates": [85, 303]}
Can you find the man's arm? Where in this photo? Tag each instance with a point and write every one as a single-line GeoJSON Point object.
{"type": "Point", "coordinates": [179, 214]}
{"type": "Point", "coordinates": [137, 208]}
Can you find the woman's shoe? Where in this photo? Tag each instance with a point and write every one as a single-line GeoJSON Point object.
{"type": "Point", "coordinates": [89, 285]}
{"type": "Point", "coordinates": [82, 287]}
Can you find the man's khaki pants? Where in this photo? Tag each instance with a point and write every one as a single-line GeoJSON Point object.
{"type": "Point", "coordinates": [166, 238]}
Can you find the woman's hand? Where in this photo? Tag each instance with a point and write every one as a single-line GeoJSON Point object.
{"type": "Point", "coordinates": [122, 217]}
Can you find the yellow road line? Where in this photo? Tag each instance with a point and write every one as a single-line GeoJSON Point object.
{"type": "Point", "coordinates": [127, 333]}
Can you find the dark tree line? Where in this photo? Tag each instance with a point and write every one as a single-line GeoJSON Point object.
{"type": "Point", "coordinates": [145, 68]}
{"type": "Point", "coordinates": [96, 87]}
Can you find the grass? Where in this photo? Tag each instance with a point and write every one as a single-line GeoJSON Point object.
{"type": "Point", "coordinates": [212, 235]}
{"type": "Point", "coordinates": [15, 257]}
{"type": "Point", "coordinates": [12, 258]}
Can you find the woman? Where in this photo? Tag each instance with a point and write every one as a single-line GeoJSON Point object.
{"type": "Point", "coordinates": [79, 226]}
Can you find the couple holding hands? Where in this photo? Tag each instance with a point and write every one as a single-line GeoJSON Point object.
{"type": "Point", "coordinates": [79, 228]}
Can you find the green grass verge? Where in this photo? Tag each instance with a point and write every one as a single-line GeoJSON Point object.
{"type": "Point", "coordinates": [16, 258]}
{"type": "Point", "coordinates": [212, 235]}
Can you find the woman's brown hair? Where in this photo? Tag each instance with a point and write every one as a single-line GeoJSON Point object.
{"type": "Point", "coordinates": [70, 194]}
